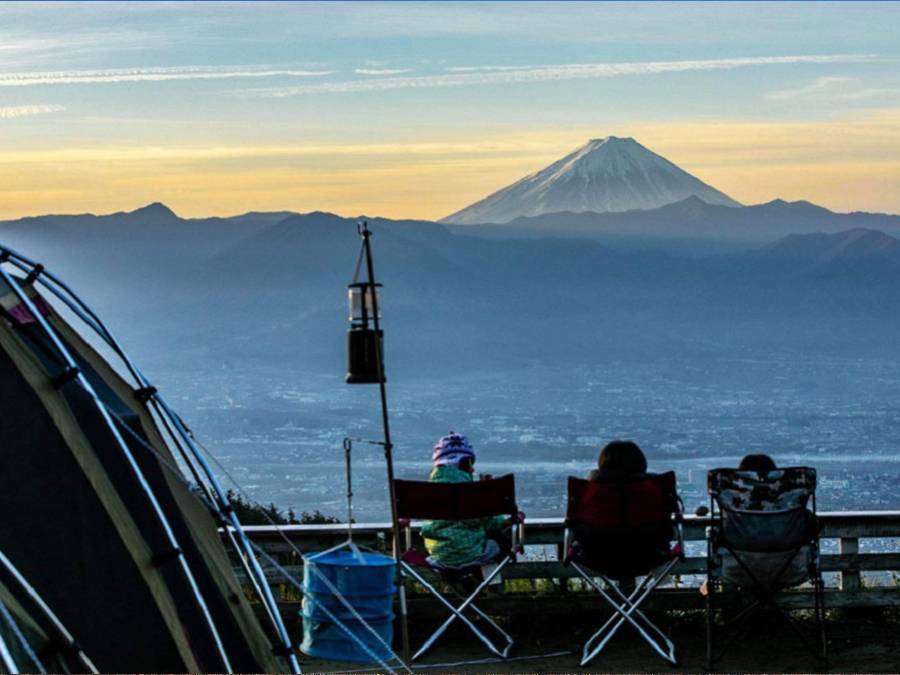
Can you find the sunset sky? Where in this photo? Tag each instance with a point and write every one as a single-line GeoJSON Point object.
{"type": "Point", "coordinates": [416, 110]}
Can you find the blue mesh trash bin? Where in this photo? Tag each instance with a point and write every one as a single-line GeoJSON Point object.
{"type": "Point", "coordinates": [366, 581]}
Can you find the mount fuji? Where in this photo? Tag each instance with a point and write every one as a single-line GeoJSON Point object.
{"type": "Point", "coordinates": [604, 175]}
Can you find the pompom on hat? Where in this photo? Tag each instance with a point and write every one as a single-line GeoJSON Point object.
{"type": "Point", "coordinates": [451, 450]}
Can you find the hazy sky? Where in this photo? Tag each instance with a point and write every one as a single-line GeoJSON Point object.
{"type": "Point", "coordinates": [416, 110]}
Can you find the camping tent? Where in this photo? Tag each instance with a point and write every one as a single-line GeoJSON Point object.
{"type": "Point", "coordinates": [97, 514]}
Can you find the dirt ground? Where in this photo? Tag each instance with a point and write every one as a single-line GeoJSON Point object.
{"type": "Point", "coordinates": [858, 642]}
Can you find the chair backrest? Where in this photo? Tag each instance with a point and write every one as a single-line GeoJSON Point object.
{"type": "Point", "coordinates": [778, 490]}
{"type": "Point", "coordinates": [456, 501]}
{"type": "Point", "coordinates": [765, 510]}
{"type": "Point", "coordinates": [620, 526]}
{"type": "Point", "coordinates": [619, 503]}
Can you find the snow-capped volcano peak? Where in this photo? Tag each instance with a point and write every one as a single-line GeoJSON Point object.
{"type": "Point", "coordinates": [604, 174]}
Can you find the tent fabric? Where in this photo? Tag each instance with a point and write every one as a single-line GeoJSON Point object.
{"type": "Point", "coordinates": [81, 529]}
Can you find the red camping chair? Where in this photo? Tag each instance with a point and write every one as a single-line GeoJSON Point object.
{"type": "Point", "coordinates": [621, 528]}
{"type": "Point", "coordinates": [457, 501]}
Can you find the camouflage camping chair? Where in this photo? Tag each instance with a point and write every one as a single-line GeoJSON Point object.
{"type": "Point", "coordinates": [763, 538]}
{"type": "Point", "coordinates": [617, 530]}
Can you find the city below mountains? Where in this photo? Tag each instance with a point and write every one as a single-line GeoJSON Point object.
{"type": "Point", "coordinates": [699, 275]}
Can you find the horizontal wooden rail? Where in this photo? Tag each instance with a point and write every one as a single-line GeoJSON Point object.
{"type": "Point", "coordinates": [546, 535]}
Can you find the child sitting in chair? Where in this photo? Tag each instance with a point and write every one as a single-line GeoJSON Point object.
{"type": "Point", "coordinates": [459, 543]}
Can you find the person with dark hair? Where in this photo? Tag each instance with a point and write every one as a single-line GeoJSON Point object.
{"type": "Point", "coordinates": [622, 477]}
{"type": "Point", "coordinates": [758, 463]}
{"type": "Point", "coordinates": [619, 459]}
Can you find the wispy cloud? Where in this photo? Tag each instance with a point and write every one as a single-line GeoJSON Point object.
{"type": "Point", "coordinates": [833, 88]}
{"type": "Point", "coordinates": [8, 112]}
{"type": "Point", "coordinates": [869, 93]}
{"type": "Point", "coordinates": [380, 71]}
{"type": "Point", "coordinates": [119, 75]}
{"type": "Point", "coordinates": [526, 74]}
{"type": "Point", "coordinates": [818, 86]}
{"type": "Point", "coordinates": [477, 69]}
{"type": "Point", "coordinates": [479, 147]}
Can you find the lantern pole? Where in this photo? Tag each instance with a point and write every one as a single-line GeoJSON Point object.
{"type": "Point", "coordinates": [365, 233]}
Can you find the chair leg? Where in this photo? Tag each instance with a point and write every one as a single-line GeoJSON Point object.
{"type": "Point", "coordinates": [765, 594]}
{"type": "Point", "coordinates": [710, 608]}
{"type": "Point", "coordinates": [623, 612]}
{"type": "Point", "coordinates": [457, 613]}
{"type": "Point", "coordinates": [506, 636]}
{"type": "Point", "coordinates": [404, 619]}
{"type": "Point", "coordinates": [608, 629]}
{"type": "Point", "coordinates": [732, 628]}
{"type": "Point", "coordinates": [484, 617]}
{"type": "Point", "coordinates": [653, 580]}
{"type": "Point", "coordinates": [820, 616]}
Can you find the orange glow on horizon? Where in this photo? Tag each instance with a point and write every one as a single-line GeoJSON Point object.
{"type": "Point", "coordinates": [845, 165]}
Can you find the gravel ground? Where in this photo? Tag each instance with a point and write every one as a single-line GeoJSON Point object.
{"type": "Point", "coordinates": [859, 642]}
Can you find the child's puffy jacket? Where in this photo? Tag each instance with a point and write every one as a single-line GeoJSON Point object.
{"type": "Point", "coordinates": [457, 542]}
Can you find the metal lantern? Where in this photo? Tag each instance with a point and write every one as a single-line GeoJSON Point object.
{"type": "Point", "coordinates": [362, 351]}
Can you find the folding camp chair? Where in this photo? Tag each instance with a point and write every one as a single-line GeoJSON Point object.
{"type": "Point", "coordinates": [618, 529]}
{"type": "Point", "coordinates": [457, 501]}
{"type": "Point", "coordinates": [763, 538]}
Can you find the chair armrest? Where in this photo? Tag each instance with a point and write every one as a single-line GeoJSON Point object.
{"type": "Point", "coordinates": [679, 532]}
{"type": "Point", "coordinates": [518, 533]}
{"type": "Point", "coordinates": [406, 525]}
{"type": "Point", "coordinates": [567, 546]}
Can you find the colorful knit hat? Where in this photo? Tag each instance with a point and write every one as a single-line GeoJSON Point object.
{"type": "Point", "coordinates": [451, 450]}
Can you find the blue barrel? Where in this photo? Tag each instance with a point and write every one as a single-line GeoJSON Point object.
{"type": "Point", "coordinates": [366, 581]}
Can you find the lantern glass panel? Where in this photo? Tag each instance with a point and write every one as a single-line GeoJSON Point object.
{"type": "Point", "coordinates": [356, 294]}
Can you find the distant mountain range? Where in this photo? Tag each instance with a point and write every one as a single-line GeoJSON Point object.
{"type": "Point", "coordinates": [694, 221]}
{"type": "Point", "coordinates": [320, 245]}
{"type": "Point", "coordinates": [611, 252]}
{"type": "Point", "coordinates": [261, 287]}
{"type": "Point", "coordinates": [604, 175]}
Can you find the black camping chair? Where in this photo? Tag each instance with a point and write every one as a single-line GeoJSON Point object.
{"type": "Point", "coordinates": [763, 538]}
{"type": "Point", "coordinates": [618, 529]}
{"type": "Point", "coordinates": [457, 501]}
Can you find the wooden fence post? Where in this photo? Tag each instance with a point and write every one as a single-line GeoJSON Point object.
{"type": "Point", "coordinates": [849, 581]}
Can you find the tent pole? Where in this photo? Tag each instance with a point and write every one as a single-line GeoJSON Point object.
{"type": "Point", "coordinates": [84, 312]}
{"type": "Point", "coordinates": [365, 233]}
{"type": "Point", "coordinates": [232, 518]}
{"type": "Point", "coordinates": [83, 382]}
{"type": "Point", "coordinates": [64, 634]}
{"type": "Point", "coordinates": [6, 658]}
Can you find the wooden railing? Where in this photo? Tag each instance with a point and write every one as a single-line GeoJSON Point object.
{"type": "Point", "coordinates": [845, 565]}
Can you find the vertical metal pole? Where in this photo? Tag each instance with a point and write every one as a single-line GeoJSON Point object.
{"type": "Point", "coordinates": [388, 447]}
{"type": "Point", "coordinates": [348, 447]}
